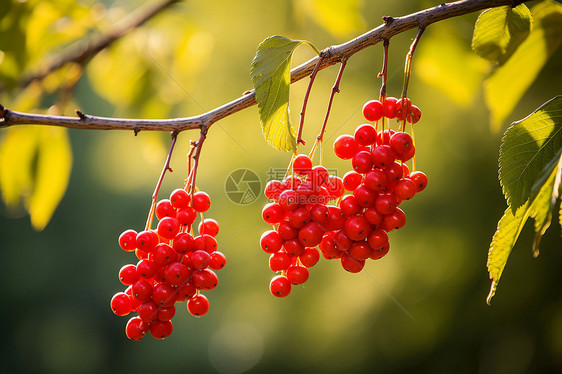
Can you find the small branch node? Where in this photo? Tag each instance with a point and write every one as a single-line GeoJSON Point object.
{"type": "Point", "coordinates": [136, 131]}
{"type": "Point", "coordinates": [80, 115]}
{"type": "Point", "coordinates": [387, 20]}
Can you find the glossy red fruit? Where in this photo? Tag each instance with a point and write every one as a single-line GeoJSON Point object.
{"type": "Point", "coordinates": [336, 219]}
{"type": "Point", "coordinates": [401, 143]}
{"type": "Point", "coordinates": [376, 180]}
{"type": "Point", "coordinates": [377, 239]}
{"type": "Point", "coordinates": [164, 294]}
{"type": "Point", "coordinates": [136, 328]}
{"type": "Point", "coordinates": [350, 206]}
{"type": "Point", "coordinates": [148, 311]}
{"type": "Point", "coordinates": [360, 251]}
{"type": "Point", "coordinates": [121, 304]}
{"type": "Point", "coordinates": [147, 240]}
{"type": "Point", "coordinates": [350, 264]}
{"type": "Point", "coordinates": [345, 147]}
{"type": "Point", "coordinates": [273, 213]}
{"type": "Point", "coordinates": [383, 156]}
{"type": "Point", "coordinates": [166, 314]}
{"type": "Point", "coordinates": [271, 241]}
{"type": "Point", "coordinates": [365, 134]}
{"type": "Point", "coordinates": [218, 260]}
{"type": "Point", "coordinates": [161, 329]}
{"type": "Point", "coordinates": [420, 179]}
{"type": "Point", "coordinates": [179, 198]}
{"type": "Point", "coordinates": [279, 261]}
{"type": "Point", "coordinates": [405, 189]}
{"type": "Point", "coordinates": [403, 108]}
{"type": "Point", "coordinates": [280, 286]}
{"type": "Point", "coordinates": [142, 290]}
{"type": "Point", "coordinates": [186, 216]}
{"type": "Point", "coordinates": [385, 203]}
{"type": "Point", "coordinates": [293, 247]}
{"type": "Point", "coordinates": [396, 220]}
{"type": "Point", "coordinates": [390, 107]}
{"type": "Point", "coordinates": [201, 201]}
{"type": "Point", "coordinates": [289, 200]}
{"type": "Point", "coordinates": [335, 187]}
{"type": "Point", "coordinates": [286, 231]}
{"type": "Point", "coordinates": [362, 162]}
{"type": "Point", "coordinates": [383, 137]}
{"type": "Point", "coordinates": [185, 292]}
{"type": "Point", "coordinates": [168, 228]}
{"type": "Point", "coordinates": [164, 208]}
{"type": "Point", "coordinates": [146, 269]}
{"type": "Point", "coordinates": [373, 110]}
{"type": "Point", "coordinates": [373, 216]}
{"type": "Point", "coordinates": [128, 274]}
{"type": "Point", "coordinates": [176, 273]}
{"type": "Point", "coordinates": [351, 180]}
{"type": "Point", "coordinates": [415, 114]}
{"type": "Point", "coordinates": [394, 172]}
{"type": "Point", "coordinates": [183, 243]}
{"type": "Point", "coordinates": [309, 257]}
{"type": "Point", "coordinates": [164, 254]}
{"type": "Point", "coordinates": [310, 235]}
{"type": "Point", "coordinates": [320, 213]}
{"type": "Point", "coordinates": [302, 164]}
{"type": "Point", "coordinates": [357, 228]}
{"type": "Point", "coordinates": [128, 240]}
{"type": "Point", "coordinates": [205, 279]}
{"type": "Point", "coordinates": [379, 253]}
{"type": "Point", "coordinates": [208, 226]}
{"type": "Point", "coordinates": [364, 196]}
{"type": "Point", "coordinates": [297, 274]}
{"type": "Point", "coordinates": [273, 189]}
{"type": "Point", "coordinates": [198, 305]}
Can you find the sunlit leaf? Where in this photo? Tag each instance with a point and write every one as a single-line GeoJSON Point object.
{"type": "Point", "coordinates": [271, 76]}
{"type": "Point", "coordinates": [499, 31]}
{"type": "Point", "coordinates": [528, 146]}
{"type": "Point", "coordinates": [504, 239]}
{"type": "Point", "coordinates": [505, 87]}
{"type": "Point", "coordinates": [54, 163]}
{"type": "Point", "coordinates": [445, 62]}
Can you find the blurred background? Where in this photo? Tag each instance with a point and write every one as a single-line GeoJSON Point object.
{"type": "Point", "coordinates": [419, 309]}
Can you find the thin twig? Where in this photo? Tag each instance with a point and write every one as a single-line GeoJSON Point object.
{"type": "Point", "coordinates": [305, 102]}
{"type": "Point", "coordinates": [159, 183]}
{"type": "Point", "coordinates": [333, 55]}
{"type": "Point", "coordinates": [407, 73]}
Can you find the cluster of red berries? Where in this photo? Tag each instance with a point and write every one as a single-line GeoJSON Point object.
{"type": "Point", "coordinates": [174, 266]}
{"type": "Point", "coordinates": [300, 216]}
{"type": "Point", "coordinates": [379, 182]}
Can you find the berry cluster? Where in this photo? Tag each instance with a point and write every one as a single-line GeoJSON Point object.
{"type": "Point", "coordinates": [379, 182]}
{"type": "Point", "coordinates": [174, 266]}
{"type": "Point", "coordinates": [299, 215]}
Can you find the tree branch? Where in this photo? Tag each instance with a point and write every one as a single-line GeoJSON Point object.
{"type": "Point", "coordinates": [330, 56]}
{"type": "Point", "coordinates": [88, 49]}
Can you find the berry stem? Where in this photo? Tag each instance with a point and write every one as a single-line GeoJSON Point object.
{"type": "Point", "coordinates": [408, 70]}
{"type": "Point", "coordinates": [196, 154]}
{"type": "Point", "coordinates": [159, 183]}
{"type": "Point", "coordinates": [305, 100]}
{"type": "Point", "coordinates": [383, 74]}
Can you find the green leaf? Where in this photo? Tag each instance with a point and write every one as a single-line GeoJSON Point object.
{"type": "Point", "coordinates": [499, 31]}
{"type": "Point", "coordinates": [544, 203]}
{"type": "Point", "coordinates": [507, 232]}
{"type": "Point", "coordinates": [271, 76]}
{"type": "Point", "coordinates": [528, 146]}
{"type": "Point", "coordinates": [505, 87]}
{"type": "Point", "coordinates": [41, 173]}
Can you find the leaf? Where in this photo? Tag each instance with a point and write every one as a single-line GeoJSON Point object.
{"type": "Point", "coordinates": [271, 76]}
{"type": "Point", "coordinates": [528, 146]}
{"type": "Point", "coordinates": [507, 232]}
{"type": "Point", "coordinates": [499, 31]}
{"type": "Point", "coordinates": [35, 164]}
{"type": "Point", "coordinates": [458, 72]}
{"type": "Point", "coordinates": [505, 87]}
{"type": "Point", "coordinates": [544, 203]}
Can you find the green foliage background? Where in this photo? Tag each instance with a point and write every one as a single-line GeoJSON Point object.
{"type": "Point", "coordinates": [57, 283]}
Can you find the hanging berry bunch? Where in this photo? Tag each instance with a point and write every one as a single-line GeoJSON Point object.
{"type": "Point", "coordinates": [174, 265]}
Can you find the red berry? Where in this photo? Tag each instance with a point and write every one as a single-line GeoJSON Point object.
{"type": "Point", "coordinates": [161, 329]}
{"type": "Point", "coordinates": [164, 254]}
{"type": "Point", "coordinates": [128, 274]}
{"type": "Point", "coordinates": [280, 286]}
{"type": "Point", "coordinates": [164, 208]}
{"type": "Point", "coordinates": [273, 188]}
{"type": "Point", "coordinates": [357, 228]}
{"type": "Point", "coordinates": [309, 257]}
{"type": "Point", "coordinates": [142, 290]}
{"type": "Point", "coordinates": [383, 156]}
{"type": "Point", "coordinates": [300, 217]}
{"type": "Point", "coordinates": [279, 261]}
{"type": "Point", "coordinates": [403, 107]}
{"type": "Point", "coordinates": [385, 203]}
{"type": "Point", "coordinates": [201, 201]}
{"type": "Point", "coordinates": [199, 259]}
{"type": "Point", "coordinates": [383, 137]}
{"type": "Point", "coordinates": [183, 243]}
{"type": "Point", "coordinates": [336, 219]}
{"type": "Point", "coordinates": [350, 264]}
{"type": "Point", "coordinates": [166, 314]}
{"type": "Point", "coordinates": [362, 162]}
{"type": "Point", "coordinates": [180, 199]}
{"type": "Point", "coordinates": [365, 197]}
{"type": "Point", "coordinates": [205, 279]}
{"type": "Point", "coordinates": [310, 235]}
{"type": "Point", "coordinates": [401, 143]}
{"type": "Point", "coordinates": [373, 216]}
{"type": "Point", "coordinates": [121, 304]}
{"type": "Point", "coordinates": [289, 200]}
{"type": "Point", "coordinates": [360, 251]}
{"type": "Point", "coordinates": [396, 220]}
{"type": "Point", "coordinates": [293, 247]}
{"type": "Point", "coordinates": [379, 253]}
{"type": "Point", "coordinates": [164, 294]}
{"type": "Point", "coordinates": [414, 115]}
{"type": "Point", "coordinates": [351, 180]}
{"type": "Point", "coordinates": [420, 179]}
{"type": "Point", "coordinates": [218, 260]}
{"type": "Point", "coordinates": [366, 134]}
{"type": "Point", "coordinates": [273, 213]}
{"type": "Point", "coordinates": [345, 147]}
{"type": "Point", "coordinates": [176, 273]}
{"type": "Point", "coordinates": [373, 110]}
{"type": "Point", "coordinates": [148, 311]}
{"type": "Point", "coordinates": [297, 274]}
{"type": "Point", "coordinates": [350, 206]}
{"type": "Point", "coordinates": [271, 241]}
{"type": "Point", "coordinates": [390, 107]}
{"type": "Point", "coordinates": [136, 328]}
{"type": "Point", "coordinates": [320, 213]}
{"type": "Point", "coordinates": [186, 216]}
{"type": "Point", "coordinates": [302, 164]}
{"type": "Point", "coordinates": [185, 292]}
{"type": "Point", "coordinates": [146, 269]}
{"type": "Point", "coordinates": [286, 231]}
{"type": "Point", "coordinates": [376, 180]}
{"type": "Point", "coordinates": [377, 239]}
{"type": "Point", "coordinates": [394, 172]}
{"type": "Point", "coordinates": [128, 240]}
{"type": "Point", "coordinates": [198, 305]}
{"type": "Point", "coordinates": [405, 189]}
{"type": "Point", "coordinates": [168, 228]}
{"type": "Point", "coordinates": [208, 226]}
{"type": "Point", "coordinates": [319, 176]}
{"type": "Point", "coordinates": [335, 187]}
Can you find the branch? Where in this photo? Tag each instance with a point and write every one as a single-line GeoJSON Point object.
{"type": "Point", "coordinates": [88, 49]}
{"type": "Point", "coordinates": [330, 56]}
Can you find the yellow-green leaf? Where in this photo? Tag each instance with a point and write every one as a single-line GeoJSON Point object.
{"type": "Point", "coordinates": [499, 31]}
{"type": "Point", "coordinates": [35, 165]}
{"type": "Point", "coordinates": [505, 87]}
{"type": "Point", "coordinates": [271, 76]}
{"type": "Point", "coordinates": [54, 163]}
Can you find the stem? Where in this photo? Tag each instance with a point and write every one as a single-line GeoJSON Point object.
{"type": "Point", "coordinates": [305, 102]}
{"type": "Point", "coordinates": [408, 70]}
{"type": "Point", "coordinates": [330, 56]}
{"type": "Point", "coordinates": [196, 155]}
{"type": "Point", "coordinates": [335, 89]}
{"type": "Point", "coordinates": [159, 183]}
{"type": "Point", "coordinates": [384, 75]}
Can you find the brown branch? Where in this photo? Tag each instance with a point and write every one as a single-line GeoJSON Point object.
{"type": "Point", "coordinates": [330, 56]}
{"type": "Point", "coordinates": [88, 49]}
